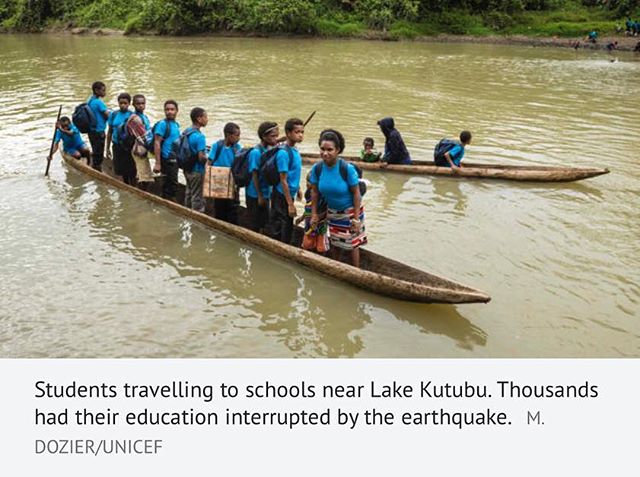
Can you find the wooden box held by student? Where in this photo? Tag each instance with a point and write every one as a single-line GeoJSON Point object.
{"type": "Point", "coordinates": [218, 183]}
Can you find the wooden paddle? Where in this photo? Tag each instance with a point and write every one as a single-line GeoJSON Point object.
{"type": "Point", "coordinates": [53, 141]}
{"type": "Point", "coordinates": [284, 138]}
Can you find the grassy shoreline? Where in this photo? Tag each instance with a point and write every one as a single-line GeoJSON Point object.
{"type": "Point", "coordinates": [625, 43]}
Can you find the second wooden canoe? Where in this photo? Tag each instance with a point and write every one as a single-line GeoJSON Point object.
{"type": "Point", "coordinates": [482, 171]}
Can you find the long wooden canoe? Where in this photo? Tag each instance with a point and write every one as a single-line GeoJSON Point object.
{"type": "Point", "coordinates": [483, 171]}
{"type": "Point", "coordinates": [378, 274]}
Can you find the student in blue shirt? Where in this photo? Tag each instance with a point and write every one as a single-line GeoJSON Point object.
{"type": "Point", "coordinates": [289, 163]}
{"type": "Point", "coordinates": [139, 128]}
{"type": "Point", "coordinates": [258, 192]}
{"type": "Point", "coordinates": [72, 142]}
{"type": "Point", "coordinates": [165, 132]}
{"type": "Point", "coordinates": [453, 157]}
{"type": "Point", "coordinates": [341, 191]}
{"type": "Point", "coordinates": [123, 164]}
{"type": "Point", "coordinates": [101, 113]}
{"type": "Point", "coordinates": [198, 147]}
{"type": "Point", "coordinates": [222, 154]}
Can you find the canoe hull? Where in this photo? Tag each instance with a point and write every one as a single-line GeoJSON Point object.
{"type": "Point", "coordinates": [378, 274]}
{"type": "Point", "coordinates": [480, 171]}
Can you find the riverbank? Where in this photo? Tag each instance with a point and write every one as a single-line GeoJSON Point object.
{"type": "Point", "coordinates": [625, 43]}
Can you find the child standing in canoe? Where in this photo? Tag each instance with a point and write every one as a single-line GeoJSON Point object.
{"type": "Point", "coordinates": [222, 154]}
{"type": "Point", "coordinates": [97, 131]}
{"type": "Point", "coordinates": [198, 149]}
{"type": "Point", "coordinates": [165, 132]}
{"type": "Point", "coordinates": [123, 164]}
{"type": "Point", "coordinates": [140, 132]}
{"type": "Point", "coordinates": [258, 192]}
{"type": "Point", "coordinates": [289, 166]}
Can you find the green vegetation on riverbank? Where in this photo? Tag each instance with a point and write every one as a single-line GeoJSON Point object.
{"type": "Point", "coordinates": [388, 18]}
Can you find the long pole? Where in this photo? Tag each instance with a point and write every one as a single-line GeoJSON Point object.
{"type": "Point", "coordinates": [309, 118]}
{"type": "Point", "coordinates": [53, 141]}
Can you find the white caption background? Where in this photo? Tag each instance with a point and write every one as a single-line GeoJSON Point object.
{"type": "Point", "coordinates": [580, 436]}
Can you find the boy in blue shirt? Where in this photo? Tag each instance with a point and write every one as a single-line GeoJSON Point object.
{"type": "Point", "coordinates": [198, 147]}
{"type": "Point", "coordinates": [72, 142]}
{"type": "Point", "coordinates": [165, 132]}
{"type": "Point", "coordinates": [258, 192]}
{"type": "Point", "coordinates": [101, 113]}
{"type": "Point", "coordinates": [140, 131]}
{"type": "Point", "coordinates": [453, 157]}
{"type": "Point", "coordinates": [289, 163]}
{"type": "Point", "coordinates": [222, 154]}
{"type": "Point", "coordinates": [123, 164]}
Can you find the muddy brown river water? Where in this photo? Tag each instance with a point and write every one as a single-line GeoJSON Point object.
{"type": "Point", "coordinates": [88, 271]}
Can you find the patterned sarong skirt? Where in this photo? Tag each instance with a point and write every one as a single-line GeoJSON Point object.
{"type": "Point", "coordinates": [340, 233]}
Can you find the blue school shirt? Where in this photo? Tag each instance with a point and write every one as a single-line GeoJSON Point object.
{"type": "Point", "coordinates": [226, 156]}
{"type": "Point", "coordinates": [293, 172]}
{"type": "Point", "coordinates": [174, 134]}
{"type": "Point", "coordinates": [335, 190]}
{"type": "Point", "coordinates": [456, 153]}
{"type": "Point", "coordinates": [197, 143]}
{"type": "Point", "coordinates": [70, 143]}
{"type": "Point", "coordinates": [254, 165]}
{"type": "Point", "coordinates": [98, 107]}
{"type": "Point", "coordinates": [115, 120]}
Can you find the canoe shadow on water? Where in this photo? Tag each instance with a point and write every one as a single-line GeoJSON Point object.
{"type": "Point", "coordinates": [310, 315]}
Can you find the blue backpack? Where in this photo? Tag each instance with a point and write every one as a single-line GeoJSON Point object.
{"type": "Point", "coordinates": [83, 118]}
{"type": "Point", "coordinates": [344, 173]}
{"type": "Point", "coordinates": [268, 167]}
{"type": "Point", "coordinates": [181, 152]}
{"type": "Point", "coordinates": [445, 145]}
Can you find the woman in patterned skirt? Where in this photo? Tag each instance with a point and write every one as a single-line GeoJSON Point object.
{"type": "Point", "coordinates": [337, 182]}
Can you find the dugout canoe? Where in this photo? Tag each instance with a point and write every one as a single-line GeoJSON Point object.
{"type": "Point", "coordinates": [378, 274]}
{"type": "Point", "coordinates": [481, 171]}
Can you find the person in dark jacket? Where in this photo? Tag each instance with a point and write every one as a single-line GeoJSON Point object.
{"type": "Point", "coordinates": [395, 152]}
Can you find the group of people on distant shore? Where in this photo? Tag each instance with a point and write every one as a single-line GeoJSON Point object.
{"type": "Point", "coordinates": [334, 211]}
{"type": "Point", "coordinates": [632, 28]}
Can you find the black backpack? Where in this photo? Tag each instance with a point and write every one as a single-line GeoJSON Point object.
{"type": "Point", "coordinates": [219, 145]}
{"type": "Point", "coordinates": [181, 152]}
{"type": "Point", "coordinates": [444, 145]}
{"type": "Point", "coordinates": [269, 168]}
{"type": "Point", "coordinates": [342, 164]}
{"type": "Point", "coordinates": [83, 118]}
{"type": "Point", "coordinates": [125, 139]}
{"type": "Point", "coordinates": [240, 167]}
